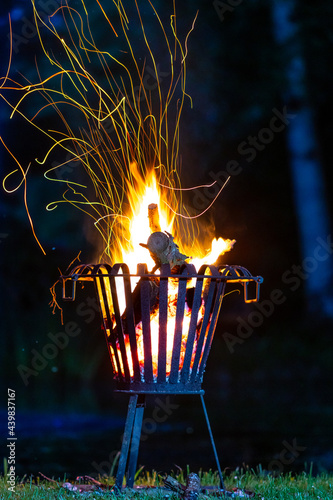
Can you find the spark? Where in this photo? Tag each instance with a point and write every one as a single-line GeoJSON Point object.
{"type": "Point", "coordinates": [108, 121]}
{"type": "Point", "coordinates": [206, 209]}
{"type": "Point", "coordinates": [24, 180]}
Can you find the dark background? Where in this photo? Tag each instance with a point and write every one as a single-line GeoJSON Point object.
{"type": "Point", "coordinates": [263, 391]}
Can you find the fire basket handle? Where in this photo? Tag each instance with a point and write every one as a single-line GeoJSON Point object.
{"type": "Point", "coordinates": [248, 300]}
{"type": "Point", "coordinates": [73, 279]}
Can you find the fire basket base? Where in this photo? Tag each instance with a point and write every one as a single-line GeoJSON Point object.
{"type": "Point", "coordinates": [154, 388]}
{"type": "Point", "coordinates": [131, 440]}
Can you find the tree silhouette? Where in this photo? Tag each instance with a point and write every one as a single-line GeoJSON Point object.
{"type": "Point", "coordinates": [305, 164]}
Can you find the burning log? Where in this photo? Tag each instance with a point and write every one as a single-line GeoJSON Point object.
{"type": "Point", "coordinates": [136, 297]}
{"type": "Point", "coordinates": [161, 245]}
{"type": "Point", "coordinates": [164, 250]}
{"type": "Point", "coordinates": [154, 219]}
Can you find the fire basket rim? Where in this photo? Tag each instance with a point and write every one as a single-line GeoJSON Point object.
{"type": "Point", "coordinates": [224, 273]}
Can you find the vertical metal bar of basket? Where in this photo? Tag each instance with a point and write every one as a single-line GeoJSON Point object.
{"type": "Point", "coordinates": [108, 321]}
{"type": "Point", "coordinates": [220, 288]}
{"type": "Point", "coordinates": [177, 343]}
{"type": "Point", "coordinates": [119, 327]}
{"type": "Point", "coordinates": [163, 323]}
{"type": "Point", "coordinates": [145, 319]}
{"type": "Point", "coordinates": [130, 323]}
{"type": "Point", "coordinates": [192, 330]}
{"type": "Point", "coordinates": [203, 330]}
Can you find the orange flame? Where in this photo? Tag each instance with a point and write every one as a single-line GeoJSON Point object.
{"type": "Point", "coordinates": [140, 195]}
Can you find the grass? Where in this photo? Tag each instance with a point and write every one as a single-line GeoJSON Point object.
{"type": "Point", "coordinates": [266, 487]}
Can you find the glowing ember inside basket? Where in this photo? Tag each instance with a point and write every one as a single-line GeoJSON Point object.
{"type": "Point", "coordinates": [171, 329]}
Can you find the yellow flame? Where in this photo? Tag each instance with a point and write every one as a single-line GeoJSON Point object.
{"type": "Point", "coordinates": [140, 195]}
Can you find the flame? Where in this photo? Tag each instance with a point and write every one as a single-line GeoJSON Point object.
{"type": "Point", "coordinates": [140, 196]}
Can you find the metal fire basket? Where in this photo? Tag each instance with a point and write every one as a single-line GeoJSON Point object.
{"type": "Point", "coordinates": [159, 333]}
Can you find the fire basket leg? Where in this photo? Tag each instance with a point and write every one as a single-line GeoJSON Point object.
{"type": "Point", "coordinates": [213, 443]}
{"type": "Point", "coordinates": [126, 441]}
{"type": "Point", "coordinates": [135, 442]}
